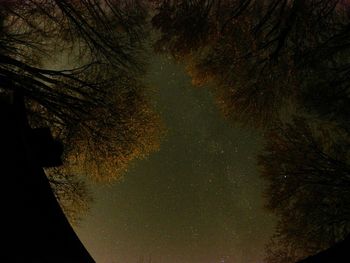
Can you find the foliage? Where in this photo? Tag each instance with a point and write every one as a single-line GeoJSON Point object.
{"type": "Point", "coordinates": [307, 169]}
{"type": "Point", "coordinates": [90, 95]}
{"type": "Point", "coordinates": [265, 61]}
{"type": "Point", "coordinates": [259, 56]}
{"type": "Point", "coordinates": [78, 65]}
{"type": "Point", "coordinates": [72, 194]}
{"type": "Point", "coordinates": [132, 130]}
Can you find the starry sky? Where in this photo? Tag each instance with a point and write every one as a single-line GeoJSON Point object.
{"type": "Point", "coordinates": [197, 200]}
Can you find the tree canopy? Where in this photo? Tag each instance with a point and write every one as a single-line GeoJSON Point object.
{"type": "Point", "coordinates": [79, 66]}
{"type": "Point", "coordinates": [71, 192]}
{"type": "Point", "coordinates": [306, 165]}
{"type": "Point", "coordinates": [267, 61]}
{"type": "Point", "coordinates": [260, 56]}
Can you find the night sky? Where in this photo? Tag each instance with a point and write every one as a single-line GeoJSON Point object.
{"type": "Point", "coordinates": [197, 200]}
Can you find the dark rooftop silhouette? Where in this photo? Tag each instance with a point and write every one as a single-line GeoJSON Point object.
{"type": "Point", "coordinates": [34, 227]}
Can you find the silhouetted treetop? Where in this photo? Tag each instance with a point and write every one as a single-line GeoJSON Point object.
{"type": "Point", "coordinates": [259, 56]}
{"type": "Point", "coordinates": [78, 65]}
{"type": "Point", "coordinates": [71, 192]}
{"type": "Point", "coordinates": [306, 165]}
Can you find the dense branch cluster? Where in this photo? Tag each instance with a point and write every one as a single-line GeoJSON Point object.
{"type": "Point", "coordinates": [268, 62]}
{"type": "Point", "coordinates": [307, 167]}
{"type": "Point", "coordinates": [261, 55]}
{"type": "Point", "coordinates": [79, 66]}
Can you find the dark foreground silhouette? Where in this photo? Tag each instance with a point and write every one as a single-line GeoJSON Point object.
{"type": "Point", "coordinates": [34, 228]}
{"type": "Point", "coordinates": [338, 253]}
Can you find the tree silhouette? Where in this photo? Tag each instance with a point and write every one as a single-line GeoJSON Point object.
{"type": "Point", "coordinates": [78, 65]}
{"type": "Point", "coordinates": [326, 93]}
{"type": "Point", "coordinates": [264, 61]}
{"type": "Point", "coordinates": [307, 171]}
{"type": "Point", "coordinates": [260, 56]}
{"type": "Point", "coordinates": [71, 192]}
